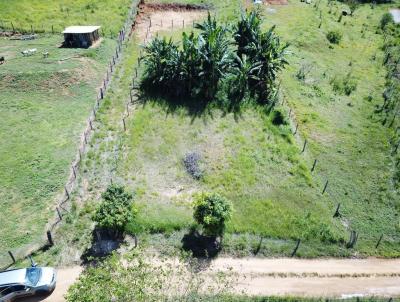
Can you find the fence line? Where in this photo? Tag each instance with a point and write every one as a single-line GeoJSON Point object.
{"type": "Point", "coordinates": [60, 209]}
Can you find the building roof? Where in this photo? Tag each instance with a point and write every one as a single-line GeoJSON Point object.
{"type": "Point", "coordinates": [80, 29]}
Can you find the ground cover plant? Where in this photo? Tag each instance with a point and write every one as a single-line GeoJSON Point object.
{"type": "Point", "coordinates": [45, 103]}
{"type": "Point", "coordinates": [43, 15]}
{"type": "Point", "coordinates": [314, 101]}
{"type": "Point", "coordinates": [254, 158]}
{"type": "Point", "coordinates": [390, 108]}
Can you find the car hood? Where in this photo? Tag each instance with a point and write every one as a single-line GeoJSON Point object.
{"type": "Point", "coordinates": [48, 276]}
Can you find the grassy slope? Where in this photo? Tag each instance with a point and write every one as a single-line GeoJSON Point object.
{"type": "Point", "coordinates": [45, 103]}
{"type": "Point", "coordinates": [257, 165]}
{"type": "Point", "coordinates": [344, 134]}
{"type": "Point", "coordinates": [61, 13]}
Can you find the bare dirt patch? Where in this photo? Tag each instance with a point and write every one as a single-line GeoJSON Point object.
{"type": "Point", "coordinates": [158, 17]}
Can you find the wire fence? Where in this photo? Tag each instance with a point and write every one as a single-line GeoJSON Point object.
{"type": "Point", "coordinates": [324, 188]}
{"type": "Point", "coordinates": [11, 28]}
{"type": "Point", "coordinates": [61, 208]}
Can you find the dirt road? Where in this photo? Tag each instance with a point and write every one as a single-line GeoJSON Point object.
{"type": "Point", "coordinates": [295, 277]}
{"type": "Point", "coordinates": [320, 277]}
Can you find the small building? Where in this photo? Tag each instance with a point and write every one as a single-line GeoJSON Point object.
{"type": "Point", "coordinates": [80, 36]}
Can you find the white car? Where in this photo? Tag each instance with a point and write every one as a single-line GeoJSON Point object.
{"type": "Point", "coordinates": [26, 282]}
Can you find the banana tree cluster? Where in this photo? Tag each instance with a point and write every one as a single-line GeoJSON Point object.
{"type": "Point", "coordinates": [241, 60]}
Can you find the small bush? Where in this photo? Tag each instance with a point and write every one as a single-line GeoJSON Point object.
{"type": "Point", "coordinates": [115, 210]}
{"type": "Point", "coordinates": [334, 36]}
{"type": "Point", "coordinates": [212, 211]}
{"type": "Point", "coordinates": [386, 19]}
{"type": "Point", "coordinates": [345, 85]}
{"type": "Point", "coordinates": [191, 162]}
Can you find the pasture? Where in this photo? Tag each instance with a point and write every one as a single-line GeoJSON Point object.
{"type": "Point", "coordinates": [42, 15]}
{"type": "Point", "coordinates": [255, 159]}
{"type": "Point", "coordinates": [45, 103]}
{"type": "Point", "coordinates": [259, 165]}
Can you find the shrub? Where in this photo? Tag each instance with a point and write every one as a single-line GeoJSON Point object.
{"type": "Point", "coordinates": [334, 36]}
{"type": "Point", "coordinates": [191, 162]}
{"type": "Point", "coordinates": [386, 19]}
{"type": "Point", "coordinates": [115, 209]}
{"type": "Point", "coordinates": [212, 211]}
{"type": "Point", "coordinates": [345, 85]}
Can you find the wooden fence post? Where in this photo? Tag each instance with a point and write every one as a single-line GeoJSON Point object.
{"type": "Point", "coordinates": [313, 166]}
{"type": "Point", "coordinates": [296, 248]}
{"type": "Point", "coordinates": [295, 130]}
{"type": "Point", "coordinates": [123, 121]}
{"type": "Point", "coordinates": [73, 171]}
{"type": "Point", "coordinates": [59, 213]}
{"type": "Point", "coordinates": [12, 256]}
{"type": "Point", "coordinates": [66, 192]}
{"type": "Point", "coordinates": [49, 238]}
{"type": "Point", "coordinates": [325, 186]}
{"type": "Point", "coordinates": [337, 213]}
{"type": "Point", "coordinates": [379, 241]}
{"type": "Point", "coordinates": [101, 93]}
{"type": "Point", "coordinates": [304, 146]}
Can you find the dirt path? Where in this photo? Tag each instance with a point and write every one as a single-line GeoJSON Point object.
{"type": "Point", "coordinates": [339, 278]}
{"type": "Point", "coordinates": [320, 277]}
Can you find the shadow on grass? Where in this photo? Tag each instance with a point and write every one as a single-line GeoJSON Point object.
{"type": "Point", "coordinates": [195, 107]}
{"type": "Point", "coordinates": [201, 247]}
{"type": "Point", "coordinates": [104, 242]}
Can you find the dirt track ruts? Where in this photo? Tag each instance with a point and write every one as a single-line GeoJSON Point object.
{"type": "Point", "coordinates": [339, 278]}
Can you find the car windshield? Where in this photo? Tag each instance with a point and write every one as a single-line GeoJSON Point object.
{"type": "Point", "coordinates": [32, 275]}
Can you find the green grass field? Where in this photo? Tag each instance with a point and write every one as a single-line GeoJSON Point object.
{"type": "Point", "coordinates": [42, 15]}
{"type": "Point", "coordinates": [258, 165]}
{"type": "Point", "coordinates": [45, 104]}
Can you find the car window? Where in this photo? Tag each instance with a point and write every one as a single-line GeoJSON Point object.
{"type": "Point", "coordinates": [33, 275]}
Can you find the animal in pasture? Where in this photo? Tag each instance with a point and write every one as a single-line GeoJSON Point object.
{"type": "Point", "coordinates": [29, 52]}
{"type": "Point", "coordinates": [2, 60]}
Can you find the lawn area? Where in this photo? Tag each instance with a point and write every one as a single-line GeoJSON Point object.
{"type": "Point", "coordinates": [42, 15]}
{"type": "Point", "coordinates": [258, 165]}
{"type": "Point", "coordinates": [256, 162]}
{"type": "Point", "coordinates": [45, 103]}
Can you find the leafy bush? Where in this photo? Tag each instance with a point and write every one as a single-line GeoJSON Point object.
{"type": "Point", "coordinates": [386, 19]}
{"type": "Point", "coordinates": [212, 211]}
{"type": "Point", "coordinates": [345, 85]}
{"type": "Point", "coordinates": [334, 36]}
{"type": "Point", "coordinates": [191, 162]}
{"type": "Point", "coordinates": [115, 209]}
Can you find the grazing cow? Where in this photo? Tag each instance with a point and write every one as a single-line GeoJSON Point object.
{"type": "Point", "coordinates": [29, 52]}
{"type": "Point", "coordinates": [2, 60]}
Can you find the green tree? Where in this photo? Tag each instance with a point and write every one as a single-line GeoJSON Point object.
{"type": "Point", "coordinates": [115, 209]}
{"type": "Point", "coordinates": [213, 46]}
{"type": "Point", "coordinates": [212, 211]}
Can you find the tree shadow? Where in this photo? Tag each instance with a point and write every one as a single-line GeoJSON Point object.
{"type": "Point", "coordinates": [200, 246]}
{"type": "Point", "coordinates": [195, 107]}
{"type": "Point", "coordinates": [104, 242]}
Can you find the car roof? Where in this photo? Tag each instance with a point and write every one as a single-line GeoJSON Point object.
{"type": "Point", "coordinates": [13, 276]}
